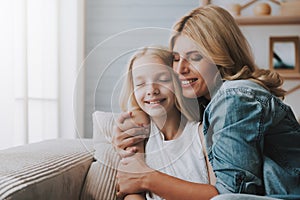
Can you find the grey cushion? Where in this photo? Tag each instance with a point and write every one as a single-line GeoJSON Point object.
{"type": "Point", "coordinates": [53, 169]}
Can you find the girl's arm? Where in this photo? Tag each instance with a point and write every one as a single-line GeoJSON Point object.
{"type": "Point", "coordinates": [135, 176]}
{"type": "Point", "coordinates": [135, 197]}
{"type": "Point", "coordinates": [173, 188]}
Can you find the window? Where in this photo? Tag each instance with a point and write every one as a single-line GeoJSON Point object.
{"type": "Point", "coordinates": [38, 72]}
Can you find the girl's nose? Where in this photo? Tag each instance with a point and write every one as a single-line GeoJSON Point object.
{"type": "Point", "coordinates": [152, 89]}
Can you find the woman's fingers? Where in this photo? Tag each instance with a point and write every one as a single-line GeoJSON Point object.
{"type": "Point", "coordinates": [123, 116]}
{"type": "Point", "coordinates": [124, 139]}
{"type": "Point", "coordinates": [128, 124]}
{"type": "Point", "coordinates": [124, 151]}
{"type": "Point", "coordinates": [125, 143]}
{"type": "Point", "coordinates": [131, 141]}
{"type": "Point", "coordinates": [136, 132]}
{"type": "Point", "coordinates": [128, 134]}
{"type": "Point", "coordinates": [120, 195]}
{"type": "Point", "coordinates": [128, 152]}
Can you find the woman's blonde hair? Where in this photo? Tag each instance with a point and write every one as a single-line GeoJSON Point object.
{"type": "Point", "coordinates": [127, 97]}
{"type": "Point", "coordinates": [219, 38]}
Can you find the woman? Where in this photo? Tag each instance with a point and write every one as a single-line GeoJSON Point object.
{"type": "Point", "coordinates": [251, 135]}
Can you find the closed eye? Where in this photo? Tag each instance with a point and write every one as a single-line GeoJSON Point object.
{"type": "Point", "coordinates": [165, 80]}
{"type": "Point", "coordinates": [176, 57]}
{"type": "Point", "coordinates": [139, 84]}
{"type": "Point", "coordinates": [195, 56]}
{"type": "Point", "coordinates": [164, 77]}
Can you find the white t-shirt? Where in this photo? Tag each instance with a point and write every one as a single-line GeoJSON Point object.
{"type": "Point", "coordinates": [182, 157]}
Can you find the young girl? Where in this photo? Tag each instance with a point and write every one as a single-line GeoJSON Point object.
{"type": "Point", "coordinates": [174, 140]}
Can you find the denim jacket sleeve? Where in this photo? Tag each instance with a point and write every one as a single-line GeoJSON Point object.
{"type": "Point", "coordinates": [232, 127]}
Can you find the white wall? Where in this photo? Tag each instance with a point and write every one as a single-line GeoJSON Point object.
{"type": "Point", "coordinates": [106, 21]}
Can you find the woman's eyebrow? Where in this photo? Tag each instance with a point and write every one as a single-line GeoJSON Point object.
{"type": "Point", "coordinates": [190, 52]}
{"type": "Point", "coordinates": [187, 53]}
{"type": "Point", "coordinates": [163, 73]}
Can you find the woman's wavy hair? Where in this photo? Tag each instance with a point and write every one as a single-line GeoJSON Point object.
{"type": "Point", "coordinates": [127, 98]}
{"type": "Point", "coordinates": [219, 38]}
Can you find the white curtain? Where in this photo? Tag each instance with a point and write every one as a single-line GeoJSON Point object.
{"type": "Point", "coordinates": [41, 53]}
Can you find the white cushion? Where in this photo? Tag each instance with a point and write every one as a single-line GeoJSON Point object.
{"type": "Point", "coordinates": [102, 126]}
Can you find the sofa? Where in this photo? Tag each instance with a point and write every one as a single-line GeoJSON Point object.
{"type": "Point", "coordinates": [62, 169]}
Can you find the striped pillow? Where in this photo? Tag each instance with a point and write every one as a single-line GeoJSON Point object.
{"type": "Point", "coordinates": [100, 182]}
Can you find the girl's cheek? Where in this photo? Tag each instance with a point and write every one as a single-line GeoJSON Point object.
{"type": "Point", "coordinates": [138, 95]}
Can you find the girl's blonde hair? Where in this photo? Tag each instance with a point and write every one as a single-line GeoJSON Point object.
{"type": "Point", "coordinates": [219, 38]}
{"type": "Point", "coordinates": [127, 97]}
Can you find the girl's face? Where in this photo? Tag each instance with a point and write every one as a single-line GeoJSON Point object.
{"type": "Point", "coordinates": [195, 72]}
{"type": "Point", "coordinates": [153, 86]}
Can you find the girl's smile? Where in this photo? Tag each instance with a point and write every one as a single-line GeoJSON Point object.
{"type": "Point", "coordinates": [154, 102]}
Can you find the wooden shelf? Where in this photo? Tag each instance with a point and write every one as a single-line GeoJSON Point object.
{"type": "Point", "coordinates": [292, 76]}
{"type": "Point", "coordinates": [268, 20]}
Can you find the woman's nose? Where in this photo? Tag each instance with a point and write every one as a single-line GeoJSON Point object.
{"type": "Point", "coordinates": [182, 66]}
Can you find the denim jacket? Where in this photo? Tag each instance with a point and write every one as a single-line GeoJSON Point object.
{"type": "Point", "coordinates": [253, 141]}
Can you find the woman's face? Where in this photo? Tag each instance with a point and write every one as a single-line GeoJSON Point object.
{"type": "Point", "coordinates": [195, 72]}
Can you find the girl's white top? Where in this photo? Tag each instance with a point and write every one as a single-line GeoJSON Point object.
{"type": "Point", "coordinates": [182, 157]}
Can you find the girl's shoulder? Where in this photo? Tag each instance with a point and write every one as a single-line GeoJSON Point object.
{"type": "Point", "coordinates": [193, 124]}
{"type": "Point", "coordinates": [192, 127]}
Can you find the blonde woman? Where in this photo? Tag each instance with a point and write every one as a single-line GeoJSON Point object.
{"type": "Point", "coordinates": [252, 137]}
{"type": "Point", "coordinates": [152, 87]}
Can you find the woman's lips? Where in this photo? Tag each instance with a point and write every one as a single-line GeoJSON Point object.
{"type": "Point", "coordinates": [188, 82]}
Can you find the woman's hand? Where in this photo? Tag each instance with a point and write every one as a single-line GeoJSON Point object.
{"type": "Point", "coordinates": [128, 133]}
{"type": "Point", "coordinates": [130, 175]}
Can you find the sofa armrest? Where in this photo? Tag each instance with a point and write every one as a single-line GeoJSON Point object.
{"type": "Point", "coordinates": [52, 169]}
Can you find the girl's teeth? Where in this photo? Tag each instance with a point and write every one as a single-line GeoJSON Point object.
{"type": "Point", "coordinates": [154, 102]}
